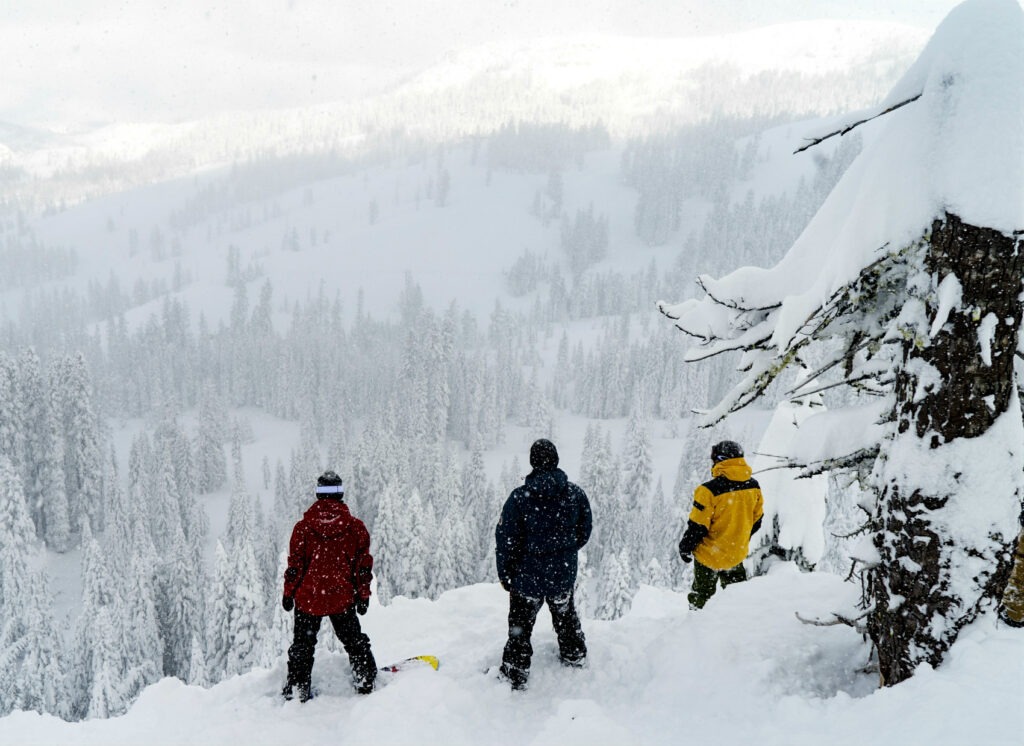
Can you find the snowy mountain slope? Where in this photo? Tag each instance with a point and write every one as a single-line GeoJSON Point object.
{"type": "Point", "coordinates": [455, 252]}
{"type": "Point", "coordinates": [744, 670]}
{"type": "Point", "coordinates": [366, 228]}
{"type": "Point", "coordinates": [630, 85]}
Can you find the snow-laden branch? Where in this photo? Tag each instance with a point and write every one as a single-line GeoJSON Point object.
{"type": "Point", "coordinates": [836, 619]}
{"type": "Point", "coordinates": [703, 281]}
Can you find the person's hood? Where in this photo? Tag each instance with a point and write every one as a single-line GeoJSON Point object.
{"type": "Point", "coordinates": [733, 469]}
{"type": "Point", "coordinates": [547, 482]}
{"type": "Point", "coordinates": [328, 517]}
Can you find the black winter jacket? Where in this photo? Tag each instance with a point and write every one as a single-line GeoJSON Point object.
{"type": "Point", "coordinates": [543, 525]}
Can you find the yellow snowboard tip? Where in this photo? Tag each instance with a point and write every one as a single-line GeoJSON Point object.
{"type": "Point", "coordinates": [430, 660]}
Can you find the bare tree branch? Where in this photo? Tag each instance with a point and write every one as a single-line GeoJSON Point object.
{"type": "Point", "coordinates": [827, 386]}
{"type": "Point", "coordinates": [849, 127]}
{"type": "Point", "coordinates": [825, 368]}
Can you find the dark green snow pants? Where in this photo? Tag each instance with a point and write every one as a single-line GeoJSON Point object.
{"type": "Point", "coordinates": [705, 579]}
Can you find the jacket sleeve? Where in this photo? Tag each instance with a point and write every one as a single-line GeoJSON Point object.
{"type": "Point", "coordinates": [585, 524]}
{"type": "Point", "coordinates": [702, 509]}
{"type": "Point", "coordinates": [699, 524]}
{"type": "Point", "coordinates": [362, 565]}
{"type": "Point", "coordinates": [296, 561]}
{"type": "Point", "coordinates": [692, 537]}
{"type": "Point", "coordinates": [508, 541]}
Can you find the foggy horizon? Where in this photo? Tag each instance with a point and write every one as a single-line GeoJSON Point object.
{"type": "Point", "coordinates": [98, 63]}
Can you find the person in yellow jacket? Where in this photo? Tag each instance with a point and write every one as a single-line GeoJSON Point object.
{"type": "Point", "coordinates": [726, 512]}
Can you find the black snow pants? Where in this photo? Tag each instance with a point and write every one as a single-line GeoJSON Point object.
{"type": "Point", "coordinates": [357, 645]}
{"type": "Point", "coordinates": [522, 615]}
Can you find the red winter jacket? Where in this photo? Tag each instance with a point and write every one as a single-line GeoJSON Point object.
{"type": "Point", "coordinates": [329, 562]}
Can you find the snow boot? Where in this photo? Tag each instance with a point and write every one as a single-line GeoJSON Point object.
{"type": "Point", "coordinates": [516, 677]}
{"type": "Point", "coordinates": [573, 662]}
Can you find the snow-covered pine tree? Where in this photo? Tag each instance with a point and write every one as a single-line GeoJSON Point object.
{"type": "Point", "coordinates": [211, 465]}
{"type": "Point", "coordinates": [455, 548]}
{"type": "Point", "coordinates": [479, 511]}
{"type": "Point", "coordinates": [17, 535]}
{"type": "Point", "coordinates": [11, 424]}
{"type": "Point", "coordinates": [79, 426]}
{"type": "Point", "coordinates": [449, 553]}
{"type": "Point", "coordinates": [130, 549]}
{"type": "Point", "coordinates": [140, 643]}
{"type": "Point", "coordinates": [179, 595]}
{"type": "Point", "coordinates": [562, 374]}
{"type": "Point", "coordinates": [95, 661]}
{"type": "Point", "coordinates": [605, 499]}
{"type": "Point", "coordinates": [386, 548]}
{"type": "Point", "coordinates": [635, 488]}
{"type": "Point", "coordinates": [916, 300]}
{"type": "Point", "coordinates": [102, 693]}
{"type": "Point", "coordinates": [245, 621]}
{"type": "Point", "coordinates": [238, 618]}
{"type": "Point", "coordinates": [197, 675]}
{"type": "Point", "coordinates": [39, 675]}
{"type": "Point", "coordinates": [664, 519]}
{"type": "Point", "coordinates": [616, 586]}
{"type": "Point", "coordinates": [585, 478]}
{"type": "Point", "coordinates": [159, 491]}
{"type": "Point", "coordinates": [43, 459]}
{"type": "Point", "coordinates": [416, 559]}
{"type": "Point", "coordinates": [30, 648]}
{"type": "Point", "coordinates": [218, 616]}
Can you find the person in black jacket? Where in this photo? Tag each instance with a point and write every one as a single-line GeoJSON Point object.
{"type": "Point", "coordinates": [543, 526]}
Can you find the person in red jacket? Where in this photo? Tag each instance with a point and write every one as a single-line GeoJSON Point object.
{"type": "Point", "coordinates": [328, 575]}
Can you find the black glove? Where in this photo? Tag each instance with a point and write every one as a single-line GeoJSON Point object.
{"type": "Point", "coordinates": [288, 603]}
{"type": "Point", "coordinates": [362, 605]}
{"type": "Point", "coordinates": [685, 558]}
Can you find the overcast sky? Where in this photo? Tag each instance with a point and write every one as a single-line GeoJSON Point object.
{"type": "Point", "coordinates": [99, 60]}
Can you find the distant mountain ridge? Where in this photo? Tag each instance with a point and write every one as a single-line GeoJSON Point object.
{"type": "Point", "coordinates": [630, 86]}
{"type": "Point", "coordinates": [810, 47]}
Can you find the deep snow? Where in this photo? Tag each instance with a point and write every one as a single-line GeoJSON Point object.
{"type": "Point", "coordinates": [742, 671]}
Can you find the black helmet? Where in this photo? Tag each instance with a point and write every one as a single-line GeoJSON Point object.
{"type": "Point", "coordinates": [725, 450]}
{"type": "Point", "coordinates": [329, 483]}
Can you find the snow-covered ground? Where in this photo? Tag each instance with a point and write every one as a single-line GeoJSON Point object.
{"type": "Point", "coordinates": [744, 670]}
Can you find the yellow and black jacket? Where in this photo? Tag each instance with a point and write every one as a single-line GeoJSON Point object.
{"type": "Point", "coordinates": [726, 513]}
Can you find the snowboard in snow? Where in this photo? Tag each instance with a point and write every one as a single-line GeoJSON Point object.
{"type": "Point", "coordinates": [416, 661]}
